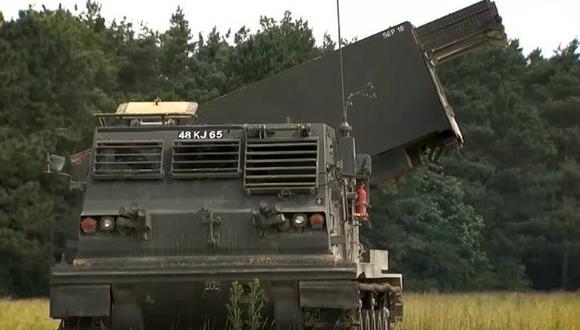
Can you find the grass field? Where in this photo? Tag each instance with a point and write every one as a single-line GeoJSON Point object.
{"type": "Point", "coordinates": [497, 311]}
{"type": "Point", "coordinates": [531, 311]}
{"type": "Point", "coordinates": [25, 315]}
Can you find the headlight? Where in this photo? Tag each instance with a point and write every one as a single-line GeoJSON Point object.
{"type": "Point", "coordinates": [107, 224]}
{"type": "Point", "coordinates": [299, 220]}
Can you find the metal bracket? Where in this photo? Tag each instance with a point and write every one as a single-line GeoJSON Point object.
{"type": "Point", "coordinates": [208, 218]}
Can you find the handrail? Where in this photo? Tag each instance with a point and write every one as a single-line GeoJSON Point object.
{"type": "Point", "coordinates": [103, 116]}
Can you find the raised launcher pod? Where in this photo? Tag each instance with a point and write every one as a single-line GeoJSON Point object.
{"type": "Point", "coordinates": [407, 122]}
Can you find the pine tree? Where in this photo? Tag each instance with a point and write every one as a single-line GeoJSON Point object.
{"type": "Point", "coordinates": [175, 61]}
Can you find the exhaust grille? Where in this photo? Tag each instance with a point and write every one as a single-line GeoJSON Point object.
{"type": "Point", "coordinates": [281, 165]}
{"type": "Point", "coordinates": [218, 158]}
{"type": "Point", "coordinates": [128, 159]}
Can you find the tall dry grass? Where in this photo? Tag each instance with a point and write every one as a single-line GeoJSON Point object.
{"type": "Point", "coordinates": [493, 311]}
{"type": "Point", "coordinates": [29, 314]}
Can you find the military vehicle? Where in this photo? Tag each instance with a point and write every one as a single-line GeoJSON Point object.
{"type": "Point", "coordinates": [183, 199]}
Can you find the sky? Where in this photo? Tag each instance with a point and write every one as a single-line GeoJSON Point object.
{"type": "Point", "coordinates": [536, 23]}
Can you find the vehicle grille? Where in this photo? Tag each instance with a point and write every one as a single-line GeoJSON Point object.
{"type": "Point", "coordinates": [218, 158]}
{"type": "Point", "coordinates": [280, 165]}
{"type": "Point", "coordinates": [128, 159]}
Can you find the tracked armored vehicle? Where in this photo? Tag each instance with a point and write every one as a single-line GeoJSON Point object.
{"type": "Point", "coordinates": [181, 200]}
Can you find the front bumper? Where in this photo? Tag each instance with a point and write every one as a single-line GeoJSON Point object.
{"type": "Point", "coordinates": [202, 268]}
{"type": "Point", "coordinates": [183, 284]}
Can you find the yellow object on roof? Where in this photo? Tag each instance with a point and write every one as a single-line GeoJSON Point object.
{"type": "Point", "coordinates": [158, 107]}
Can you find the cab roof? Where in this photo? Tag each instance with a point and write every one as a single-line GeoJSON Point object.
{"type": "Point", "coordinates": [157, 107]}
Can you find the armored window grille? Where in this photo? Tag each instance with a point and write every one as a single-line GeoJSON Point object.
{"type": "Point", "coordinates": [281, 165]}
{"type": "Point", "coordinates": [128, 159]}
{"type": "Point", "coordinates": [217, 158]}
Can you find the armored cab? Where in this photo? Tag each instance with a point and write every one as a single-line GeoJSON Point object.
{"type": "Point", "coordinates": [181, 200]}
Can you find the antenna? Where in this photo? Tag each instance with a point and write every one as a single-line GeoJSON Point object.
{"type": "Point", "coordinates": [344, 126]}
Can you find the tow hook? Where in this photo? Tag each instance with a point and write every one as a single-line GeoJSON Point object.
{"type": "Point", "coordinates": [136, 219]}
{"type": "Point", "coordinates": [268, 216]}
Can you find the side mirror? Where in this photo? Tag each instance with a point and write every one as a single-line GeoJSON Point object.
{"type": "Point", "coordinates": [363, 166]}
{"type": "Point", "coordinates": [55, 163]}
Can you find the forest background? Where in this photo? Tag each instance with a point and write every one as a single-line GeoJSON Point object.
{"type": "Point", "coordinates": [504, 214]}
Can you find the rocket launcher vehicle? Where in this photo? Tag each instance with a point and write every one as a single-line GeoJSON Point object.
{"type": "Point", "coordinates": [396, 104]}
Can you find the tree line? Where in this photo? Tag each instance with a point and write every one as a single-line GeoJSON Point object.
{"type": "Point", "coordinates": [503, 214]}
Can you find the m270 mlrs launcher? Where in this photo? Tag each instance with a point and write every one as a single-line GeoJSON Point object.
{"type": "Point", "coordinates": [182, 200]}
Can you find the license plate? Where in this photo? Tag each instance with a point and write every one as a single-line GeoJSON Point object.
{"type": "Point", "coordinates": [201, 135]}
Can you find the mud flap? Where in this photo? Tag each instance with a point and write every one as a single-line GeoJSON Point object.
{"type": "Point", "coordinates": [287, 312]}
{"type": "Point", "coordinates": [80, 301]}
{"type": "Point", "coordinates": [329, 294]}
{"type": "Point", "coordinates": [126, 312]}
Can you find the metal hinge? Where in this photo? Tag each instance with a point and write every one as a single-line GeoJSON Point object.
{"type": "Point", "coordinates": [208, 218]}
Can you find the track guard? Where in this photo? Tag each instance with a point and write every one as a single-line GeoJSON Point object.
{"type": "Point", "coordinates": [80, 301]}
{"type": "Point", "coordinates": [329, 294]}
